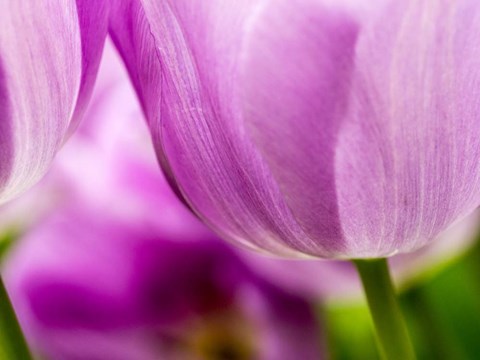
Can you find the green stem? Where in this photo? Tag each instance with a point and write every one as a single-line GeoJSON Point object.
{"type": "Point", "coordinates": [12, 341]}
{"type": "Point", "coordinates": [390, 328]}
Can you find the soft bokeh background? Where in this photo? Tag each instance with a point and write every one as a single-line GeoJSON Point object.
{"type": "Point", "coordinates": [104, 262]}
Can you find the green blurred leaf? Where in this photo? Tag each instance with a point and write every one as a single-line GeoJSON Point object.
{"type": "Point", "coordinates": [453, 298]}
{"type": "Point", "coordinates": [6, 241]}
{"type": "Point", "coordinates": [350, 332]}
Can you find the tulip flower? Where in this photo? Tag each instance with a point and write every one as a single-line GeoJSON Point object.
{"type": "Point", "coordinates": [312, 127]}
{"type": "Point", "coordinates": [109, 164]}
{"type": "Point", "coordinates": [49, 55]}
{"type": "Point", "coordinates": [329, 129]}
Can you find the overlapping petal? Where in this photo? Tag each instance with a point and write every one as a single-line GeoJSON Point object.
{"type": "Point", "coordinates": [49, 54]}
{"type": "Point", "coordinates": [328, 128]}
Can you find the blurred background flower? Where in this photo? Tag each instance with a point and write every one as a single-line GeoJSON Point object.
{"type": "Point", "coordinates": [89, 288]}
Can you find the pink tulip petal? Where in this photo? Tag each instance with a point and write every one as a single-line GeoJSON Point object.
{"type": "Point", "coordinates": [48, 60]}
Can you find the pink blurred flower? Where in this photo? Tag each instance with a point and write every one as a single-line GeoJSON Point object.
{"type": "Point", "coordinates": [90, 287]}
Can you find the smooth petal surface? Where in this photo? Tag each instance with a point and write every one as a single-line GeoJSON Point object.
{"type": "Point", "coordinates": [47, 67]}
{"type": "Point", "coordinates": [407, 155]}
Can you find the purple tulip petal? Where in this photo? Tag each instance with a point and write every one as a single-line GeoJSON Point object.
{"type": "Point", "coordinates": [379, 158]}
{"type": "Point", "coordinates": [48, 59]}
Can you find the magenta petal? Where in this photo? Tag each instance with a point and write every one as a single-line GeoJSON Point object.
{"type": "Point", "coordinates": [48, 60]}
{"type": "Point", "coordinates": [93, 21]}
